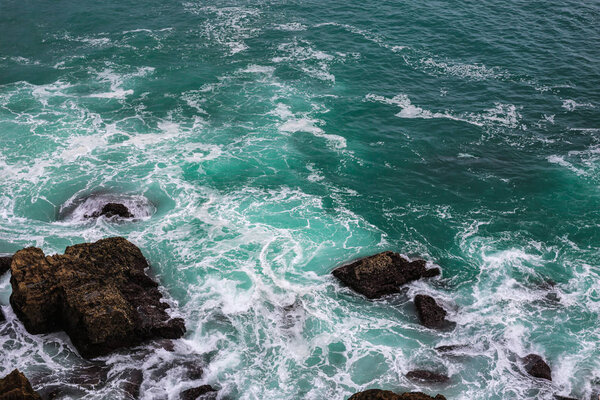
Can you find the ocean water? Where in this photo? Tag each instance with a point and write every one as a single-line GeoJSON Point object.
{"type": "Point", "coordinates": [262, 144]}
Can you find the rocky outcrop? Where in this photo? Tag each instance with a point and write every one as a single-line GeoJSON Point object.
{"type": "Point", "coordinates": [204, 392]}
{"type": "Point", "coordinates": [421, 375]}
{"type": "Point", "coordinates": [382, 274]}
{"type": "Point", "coordinates": [559, 397]}
{"type": "Point", "coordinates": [98, 293]}
{"type": "Point", "coordinates": [110, 210]}
{"type": "Point", "coordinates": [430, 313]}
{"type": "Point", "coordinates": [15, 386]}
{"type": "Point", "coordinates": [537, 367]}
{"type": "Point", "coordinates": [5, 264]}
{"type": "Point", "coordinates": [377, 394]}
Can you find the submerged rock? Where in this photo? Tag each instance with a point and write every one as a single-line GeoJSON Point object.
{"type": "Point", "coordinates": [430, 313]}
{"type": "Point", "coordinates": [559, 397]}
{"type": "Point", "coordinates": [15, 386]}
{"type": "Point", "coordinates": [5, 264]}
{"type": "Point", "coordinates": [427, 376]}
{"type": "Point", "coordinates": [451, 348]}
{"type": "Point", "coordinates": [537, 367]}
{"type": "Point", "coordinates": [382, 274]}
{"type": "Point", "coordinates": [377, 394]}
{"type": "Point", "coordinates": [98, 293]}
{"type": "Point", "coordinates": [202, 392]}
{"type": "Point", "coordinates": [110, 210]}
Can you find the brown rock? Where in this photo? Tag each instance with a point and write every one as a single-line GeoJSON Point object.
{"type": "Point", "coordinates": [377, 394]}
{"type": "Point", "coordinates": [15, 386]}
{"type": "Point", "coordinates": [202, 392]}
{"type": "Point", "coordinates": [382, 274]}
{"type": "Point", "coordinates": [5, 264]}
{"type": "Point", "coordinates": [537, 367]}
{"type": "Point", "coordinates": [98, 293]}
{"type": "Point", "coordinates": [430, 313]}
{"type": "Point", "coordinates": [427, 376]}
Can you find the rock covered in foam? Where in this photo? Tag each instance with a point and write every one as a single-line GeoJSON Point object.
{"type": "Point", "coordinates": [382, 274]}
{"type": "Point", "coordinates": [377, 394]}
{"type": "Point", "coordinates": [537, 367]}
{"type": "Point", "coordinates": [15, 386]}
{"type": "Point", "coordinates": [98, 293]}
{"type": "Point", "coordinates": [110, 210]}
{"type": "Point", "coordinates": [430, 313]}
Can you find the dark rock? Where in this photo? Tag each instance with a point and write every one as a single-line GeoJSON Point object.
{"type": "Point", "coordinates": [427, 376]}
{"type": "Point", "coordinates": [430, 313]}
{"type": "Point", "coordinates": [15, 386]}
{"type": "Point", "coordinates": [559, 397]}
{"type": "Point", "coordinates": [131, 386]}
{"type": "Point", "coordinates": [377, 394]}
{"type": "Point", "coordinates": [202, 392]}
{"type": "Point", "coordinates": [382, 274]}
{"type": "Point", "coordinates": [5, 264]}
{"type": "Point", "coordinates": [537, 367]}
{"type": "Point", "coordinates": [2, 317]}
{"type": "Point", "coordinates": [451, 348]}
{"type": "Point", "coordinates": [98, 293]}
{"type": "Point", "coordinates": [110, 210]}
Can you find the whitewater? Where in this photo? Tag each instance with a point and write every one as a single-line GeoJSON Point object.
{"type": "Point", "coordinates": [261, 144]}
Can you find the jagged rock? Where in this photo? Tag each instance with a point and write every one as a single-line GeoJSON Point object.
{"type": "Point", "coordinates": [15, 386]}
{"type": "Point", "coordinates": [427, 376]}
{"type": "Point", "coordinates": [202, 392]}
{"type": "Point", "coordinates": [382, 274]}
{"type": "Point", "coordinates": [377, 394]}
{"type": "Point", "coordinates": [2, 317]}
{"type": "Point", "coordinates": [537, 367]}
{"type": "Point", "coordinates": [5, 264]}
{"type": "Point", "coordinates": [430, 313]}
{"type": "Point", "coordinates": [98, 293]}
{"type": "Point", "coordinates": [559, 397]}
{"type": "Point", "coordinates": [110, 210]}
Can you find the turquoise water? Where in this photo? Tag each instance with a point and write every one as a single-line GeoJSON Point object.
{"type": "Point", "coordinates": [265, 143]}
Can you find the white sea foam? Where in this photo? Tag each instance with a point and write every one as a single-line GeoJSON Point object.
{"type": "Point", "coordinates": [291, 27]}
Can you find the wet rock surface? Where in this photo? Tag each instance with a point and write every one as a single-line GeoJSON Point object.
{"type": "Point", "coordinates": [421, 375]}
{"type": "Point", "coordinates": [430, 313]}
{"type": "Point", "coordinates": [537, 367]}
{"type": "Point", "coordinates": [110, 210]}
{"type": "Point", "coordinates": [5, 262]}
{"type": "Point", "coordinates": [382, 274]}
{"type": "Point", "coordinates": [204, 392]}
{"type": "Point", "coordinates": [15, 386]}
{"type": "Point", "coordinates": [377, 394]}
{"type": "Point", "coordinates": [98, 293]}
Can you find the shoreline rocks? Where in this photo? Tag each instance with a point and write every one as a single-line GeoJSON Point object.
{"type": "Point", "coordinates": [377, 394]}
{"type": "Point", "coordinates": [15, 386]}
{"type": "Point", "coordinates": [382, 274]}
{"type": "Point", "coordinates": [430, 313]}
{"type": "Point", "coordinates": [537, 367]}
{"type": "Point", "coordinates": [98, 293]}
